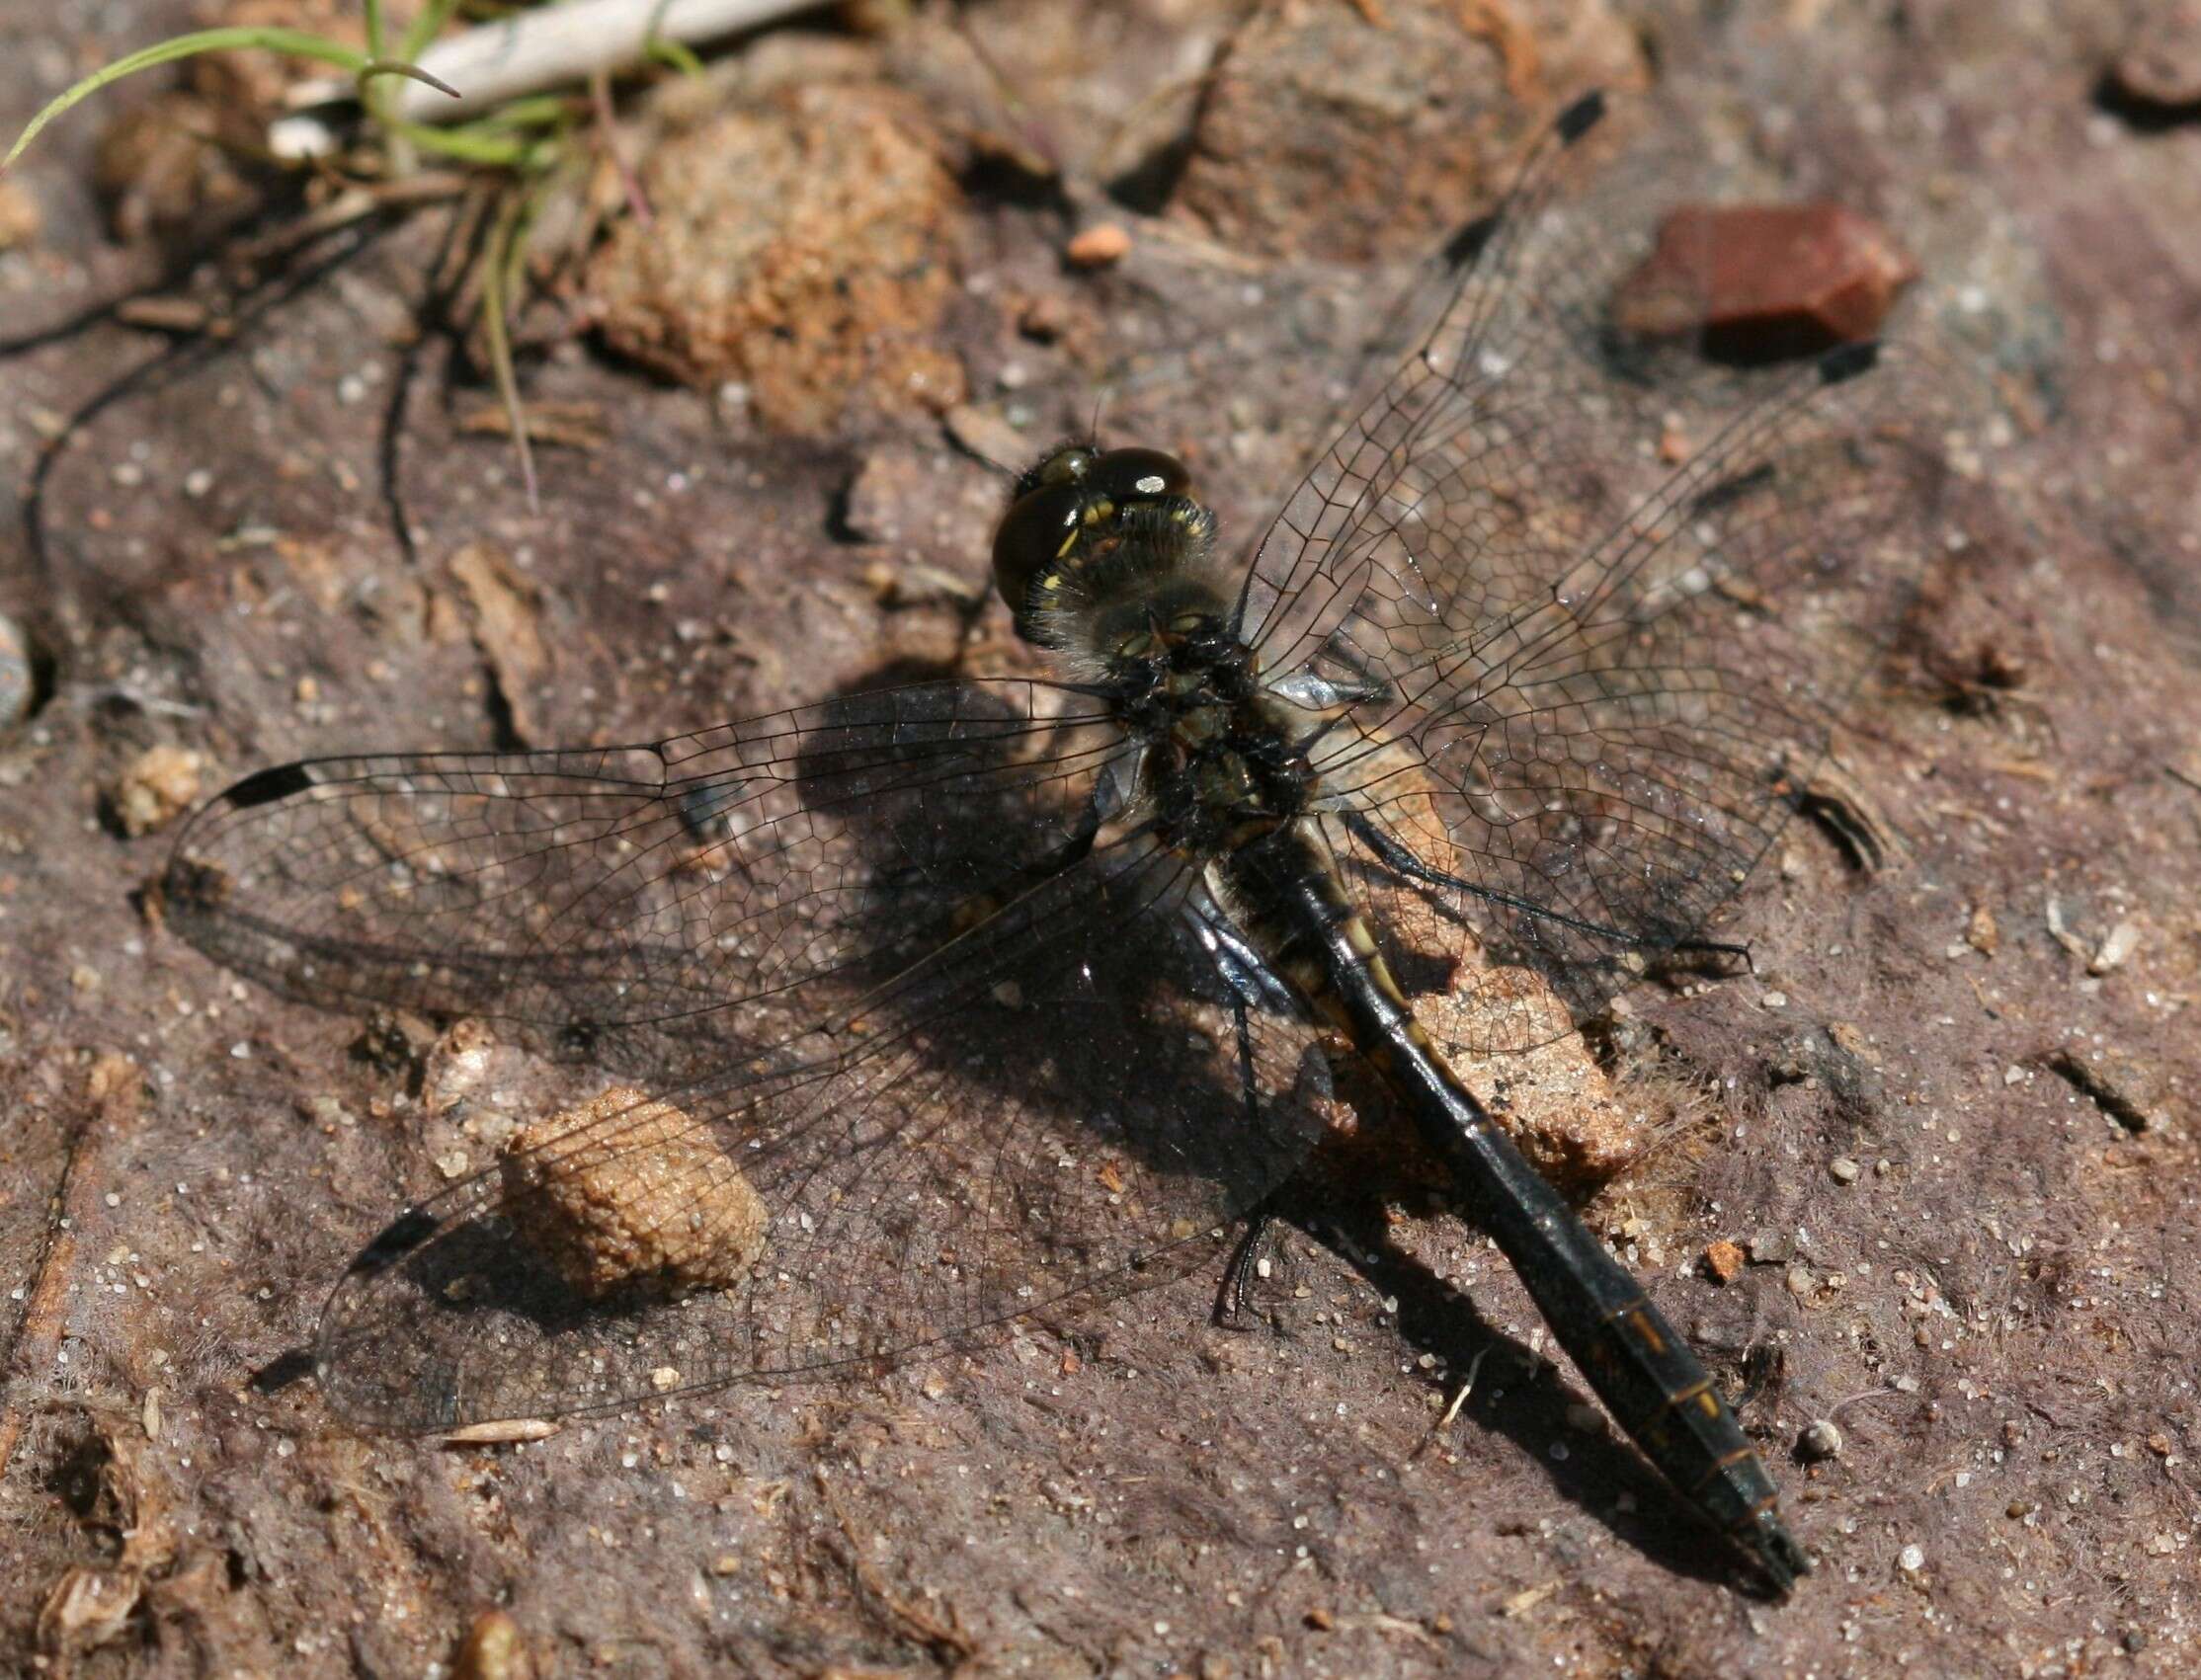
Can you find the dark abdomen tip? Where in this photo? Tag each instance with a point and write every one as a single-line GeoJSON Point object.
{"type": "Point", "coordinates": [1582, 116]}
{"type": "Point", "coordinates": [407, 1232]}
{"type": "Point", "coordinates": [264, 788]}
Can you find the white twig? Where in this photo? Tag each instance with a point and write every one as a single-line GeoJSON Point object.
{"type": "Point", "coordinates": [551, 46]}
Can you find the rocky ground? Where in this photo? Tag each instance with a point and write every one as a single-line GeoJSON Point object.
{"type": "Point", "coordinates": [1948, 1122]}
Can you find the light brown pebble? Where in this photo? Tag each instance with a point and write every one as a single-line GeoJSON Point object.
{"type": "Point", "coordinates": [19, 221]}
{"type": "Point", "coordinates": [493, 1649]}
{"type": "Point", "coordinates": [1821, 1440]}
{"type": "Point", "coordinates": [19, 687]}
{"type": "Point", "coordinates": [1099, 246]}
{"type": "Point", "coordinates": [2159, 68]}
{"type": "Point", "coordinates": [621, 1188]}
{"type": "Point", "coordinates": [501, 1431]}
{"type": "Point", "coordinates": [1723, 1261]}
{"type": "Point", "coordinates": [1845, 1170]}
{"type": "Point", "coordinates": [1981, 933]}
{"type": "Point", "coordinates": [2116, 947]}
{"type": "Point", "coordinates": [155, 788]}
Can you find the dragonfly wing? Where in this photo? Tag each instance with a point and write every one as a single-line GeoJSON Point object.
{"type": "Point", "coordinates": [1057, 1104]}
{"type": "Point", "coordinates": [1586, 607]}
{"type": "Point", "coordinates": [669, 900]}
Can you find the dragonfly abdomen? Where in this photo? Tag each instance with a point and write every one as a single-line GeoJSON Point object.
{"type": "Point", "coordinates": [1637, 1364]}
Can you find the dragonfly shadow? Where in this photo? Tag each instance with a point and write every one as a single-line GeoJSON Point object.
{"type": "Point", "coordinates": [1436, 1318]}
{"type": "Point", "coordinates": [1072, 994]}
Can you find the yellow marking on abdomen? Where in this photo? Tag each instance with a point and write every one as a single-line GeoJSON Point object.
{"type": "Point", "coordinates": [1645, 1329]}
{"type": "Point", "coordinates": [1721, 1467]}
{"type": "Point", "coordinates": [1695, 1391]}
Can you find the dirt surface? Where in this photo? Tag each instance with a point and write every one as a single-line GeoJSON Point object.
{"type": "Point", "coordinates": [1949, 1124]}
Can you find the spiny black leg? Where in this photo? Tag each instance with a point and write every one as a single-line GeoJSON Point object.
{"type": "Point", "coordinates": [1717, 947]}
{"type": "Point", "coordinates": [1232, 1311]}
{"type": "Point", "coordinates": [1393, 853]}
{"type": "Point", "coordinates": [1399, 858]}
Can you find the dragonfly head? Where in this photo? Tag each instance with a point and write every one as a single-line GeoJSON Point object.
{"type": "Point", "coordinates": [1066, 507]}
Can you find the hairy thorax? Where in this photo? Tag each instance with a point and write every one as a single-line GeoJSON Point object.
{"type": "Point", "coordinates": [1223, 763]}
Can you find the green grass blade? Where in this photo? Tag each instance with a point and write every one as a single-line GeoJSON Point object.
{"type": "Point", "coordinates": [299, 44]}
{"type": "Point", "coordinates": [672, 54]}
{"type": "Point", "coordinates": [392, 68]}
{"type": "Point", "coordinates": [473, 143]}
{"type": "Point", "coordinates": [501, 256]}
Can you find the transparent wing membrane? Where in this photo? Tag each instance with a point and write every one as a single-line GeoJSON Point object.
{"type": "Point", "coordinates": [1056, 1103]}
{"type": "Point", "coordinates": [1589, 603]}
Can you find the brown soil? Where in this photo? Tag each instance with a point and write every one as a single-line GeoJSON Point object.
{"type": "Point", "coordinates": [1949, 1122]}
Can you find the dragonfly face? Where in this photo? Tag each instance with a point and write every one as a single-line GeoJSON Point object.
{"type": "Point", "coordinates": [965, 997]}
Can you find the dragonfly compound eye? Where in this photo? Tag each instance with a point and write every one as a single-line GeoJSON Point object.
{"type": "Point", "coordinates": [1034, 538]}
{"type": "Point", "coordinates": [1134, 476]}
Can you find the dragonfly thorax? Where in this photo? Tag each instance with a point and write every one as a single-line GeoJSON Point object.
{"type": "Point", "coordinates": [1220, 762]}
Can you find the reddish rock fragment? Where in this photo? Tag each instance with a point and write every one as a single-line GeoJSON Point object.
{"type": "Point", "coordinates": [1723, 1261]}
{"type": "Point", "coordinates": [1760, 283]}
{"type": "Point", "coordinates": [1098, 247]}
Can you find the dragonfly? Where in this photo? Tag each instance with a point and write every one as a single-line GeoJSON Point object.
{"type": "Point", "coordinates": [956, 1002]}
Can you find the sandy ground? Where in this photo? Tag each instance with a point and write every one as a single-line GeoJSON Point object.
{"type": "Point", "coordinates": [1997, 1309]}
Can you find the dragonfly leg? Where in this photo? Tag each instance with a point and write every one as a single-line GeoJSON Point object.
{"type": "Point", "coordinates": [1234, 1293]}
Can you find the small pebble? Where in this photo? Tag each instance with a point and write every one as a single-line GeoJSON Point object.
{"type": "Point", "coordinates": [2116, 946]}
{"type": "Point", "coordinates": [1845, 1170]}
{"type": "Point", "coordinates": [155, 788]}
{"type": "Point", "coordinates": [493, 1649]}
{"type": "Point", "coordinates": [1722, 1261]}
{"type": "Point", "coordinates": [1771, 1248]}
{"type": "Point", "coordinates": [1911, 1560]}
{"type": "Point", "coordinates": [1821, 1440]}
{"type": "Point", "coordinates": [1799, 1281]}
{"type": "Point", "coordinates": [1098, 247]}
{"type": "Point", "coordinates": [19, 216]}
{"type": "Point", "coordinates": [501, 1431]}
{"type": "Point", "coordinates": [1773, 1000]}
{"type": "Point", "coordinates": [1981, 933]}
{"type": "Point", "coordinates": [2158, 69]}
